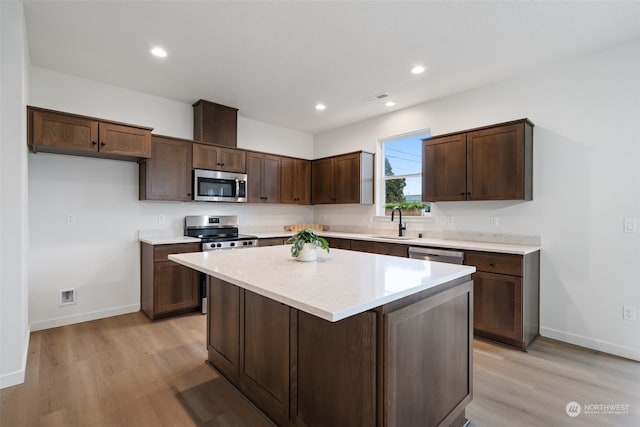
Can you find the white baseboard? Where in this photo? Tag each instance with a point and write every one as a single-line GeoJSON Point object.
{"type": "Point", "coordinates": [17, 377]}
{"type": "Point", "coordinates": [83, 317]}
{"type": "Point", "coordinates": [594, 344]}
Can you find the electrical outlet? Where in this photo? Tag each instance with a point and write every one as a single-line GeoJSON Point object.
{"type": "Point", "coordinates": [162, 219]}
{"type": "Point", "coordinates": [71, 219]}
{"type": "Point", "coordinates": [493, 221]}
{"type": "Point", "coordinates": [630, 225]}
{"type": "Point", "coordinates": [449, 220]}
{"type": "Point", "coordinates": [628, 312]}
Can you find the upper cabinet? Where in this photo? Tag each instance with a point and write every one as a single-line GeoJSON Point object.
{"type": "Point", "coordinates": [263, 178]}
{"type": "Point", "coordinates": [215, 124]}
{"type": "Point", "coordinates": [57, 132]}
{"type": "Point", "coordinates": [490, 163]}
{"type": "Point", "coordinates": [347, 178]}
{"type": "Point", "coordinates": [167, 174]}
{"type": "Point", "coordinates": [219, 158]}
{"type": "Point", "coordinates": [295, 181]}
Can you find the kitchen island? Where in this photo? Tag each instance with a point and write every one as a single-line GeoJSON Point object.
{"type": "Point", "coordinates": [354, 339]}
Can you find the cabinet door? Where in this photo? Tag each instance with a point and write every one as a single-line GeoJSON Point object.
{"type": "Point", "coordinates": [303, 180]}
{"type": "Point", "coordinates": [271, 179]}
{"type": "Point", "coordinates": [264, 371]}
{"type": "Point", "coordinates": [275, 241]}
{"type": "Point", "coordinates": [288, 182]}
{"type": "Point", "coordinates": [347, 178]}
{"type": "Point", "coordinates": [167, 174]}
{"type": "Point", "coordinates": [444, 168]}
{"type": "Point", "coordinates": [223, 328]}
{"type": "Point", "coordinates": [62, 131]}
{"type": "Point", "coordinates": [176, 287]}
{"type": "Point", "coordinates": [263, 176]}
{"type": "Point", "coordinates": [206, 157]}
{"type": "Point", "coordinates": [124, 140]}
{"type": "Point", "coordinates": [215, 124]}
{"type": "Point", "coordinates": [496, 163]}
{"type": "Point", "coordinates": [336, 375]}
{"type": "Point", "coordinates": [392, 249]}
{"type": "Point", "coordinates": [232, 160]}
{"type": "Point", "coordinates": [322, 181]}
{"type": "Point", "coordinates": [254, 177]}
{"type": "Point", "coordinates": [337, 243]}
{"type": "Point", "coordinates": [497, 306]}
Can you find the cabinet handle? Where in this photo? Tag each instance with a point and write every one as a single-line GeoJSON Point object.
{"type": "Point", "coordinates": [462, 194]}
{"type": "Point", "coordinates": [492, 264]}
{"type": "Point", "coordinates": [468, 194]}
{"type": "Point", "coordinates": [93, 143]}
{"type": "Point", "coordinates": [102, 144]}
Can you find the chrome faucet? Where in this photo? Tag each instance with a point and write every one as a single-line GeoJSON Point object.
{"type": "Point", "coordinates": [401, 227]}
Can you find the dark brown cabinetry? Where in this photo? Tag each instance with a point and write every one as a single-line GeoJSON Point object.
{"type": "Point", "coordinates": [347, 178]}
{"type": "Point", "coordinates": [263, 178]}
{"type": "Point", "coordinates": [167, 174]}
{"type": "Point", "coordinates": [489, 163]}
{"type": "Point", "coordinates": [405, 363]}
{"type": "Point", "coordinates": [394, 249]}
{"type": "Point", "coordinates": [337, 243]}
{"type": "Point", "coordinates": [295, 181]}
{"type": "Point", "coordinates": [63, 133]}
{"type": "Point", "coordinates": [273, 241]}
{"type": "Point", "coordinates": [218, 158]}
{"type": "Point", "coordinates": [165, 286]}
{"type": "Point", "coordinates": [506, 297]}
{"type": "Point", "coordinates": [248, 341]}
{"type": "Point", "coordinates": [215, 124]}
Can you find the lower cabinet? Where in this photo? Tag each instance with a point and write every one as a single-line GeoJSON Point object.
{"type": "Point", "coordinates": [394, 249]}
{"type": "Point", "coordinates": [506, 297]}
{"type": "Point", "coordinates": [167, 287]}
{"type": "Point", "coordinates": [402, 364]}
{"type": "Point", "coordinates": [272, 241]}
{"type": "Point", "coordinates": [337, 243]}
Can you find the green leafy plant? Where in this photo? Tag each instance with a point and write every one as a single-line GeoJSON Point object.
{"type": "Point", "coordinates": [406, 205]}
{"type": "Point", "coordinates": [306, 236]}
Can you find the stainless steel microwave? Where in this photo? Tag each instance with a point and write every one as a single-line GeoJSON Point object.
{"type": "Point", "coordinates": [217, 186]}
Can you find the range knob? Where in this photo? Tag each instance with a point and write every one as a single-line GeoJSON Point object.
{"type": "Point", "coordinates": [250, 242]}
{"type": "Point", "coordinates": [244, 243]}
{"type": "Point", "coordinates": [218, 245]}
{"type": "Point", "coordinates": [232, 244]}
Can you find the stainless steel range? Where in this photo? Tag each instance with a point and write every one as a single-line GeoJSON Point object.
{"type": "Point", "coordinates": [216, 233]}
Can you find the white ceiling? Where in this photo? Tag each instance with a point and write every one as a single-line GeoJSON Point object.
{"type": "Point", "coordinates": [274, 60]}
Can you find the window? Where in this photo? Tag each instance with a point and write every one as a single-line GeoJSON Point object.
{"type": "Point", "coordinates": [401, 172]}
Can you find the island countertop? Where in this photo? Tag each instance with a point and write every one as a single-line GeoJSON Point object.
{"type": "Point", "coordinates": [338, 285]}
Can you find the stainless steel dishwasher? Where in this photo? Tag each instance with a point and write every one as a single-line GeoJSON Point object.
{"type": "Point", "coordinates": [438, 255]}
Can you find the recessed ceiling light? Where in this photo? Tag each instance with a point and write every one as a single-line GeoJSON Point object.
{"type": "Point", "coordinates": [320, 107]}
{"type": "Point", "coordinates": [159, 52]}
{"type": "Point", "coordinates": [418, 69]}
{"type": "Point", "coordinates": [389, 104]}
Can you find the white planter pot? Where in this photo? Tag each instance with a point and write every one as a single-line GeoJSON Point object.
{"type": "Point", "coordinates": [308, 253]}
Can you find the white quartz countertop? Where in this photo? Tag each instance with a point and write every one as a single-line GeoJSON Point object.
{"type": "Point", "coordinates": [168, 240]}
{"type": "Point", "coordinates": [414, 241]}
{"type": "Point", "coordinates": [338, 285]}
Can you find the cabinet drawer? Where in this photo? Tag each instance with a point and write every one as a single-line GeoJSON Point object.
{"type": "Point", "coordinates": [161, 252]}
{"type": "Point", "coordinates": [495, 263]}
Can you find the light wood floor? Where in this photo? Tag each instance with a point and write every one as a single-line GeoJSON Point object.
{"type": "Point", "coordinates": [127, 371]}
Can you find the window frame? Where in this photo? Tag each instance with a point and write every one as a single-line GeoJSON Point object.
{"type": "Point", "coordinates": [381, 178]}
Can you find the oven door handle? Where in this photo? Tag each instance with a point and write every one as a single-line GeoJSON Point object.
{"type": "Point", "coordinates": [237, 188]}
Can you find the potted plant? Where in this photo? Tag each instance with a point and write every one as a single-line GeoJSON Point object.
{"type": "Point", "coordinates": [408, 208]}
{"type": "Point", "coordinates": [305, 243]}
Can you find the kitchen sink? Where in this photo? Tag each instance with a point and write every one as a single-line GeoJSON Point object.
{"type": "Point", "coordinates": [380, 236]}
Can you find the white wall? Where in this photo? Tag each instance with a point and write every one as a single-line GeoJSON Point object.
{"type": "Point", "coordinates": [586, 176]}
{"type": "Point", "coordinates": [99, 254]}
{"type": "Point", "coordinates": [14, 304]}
